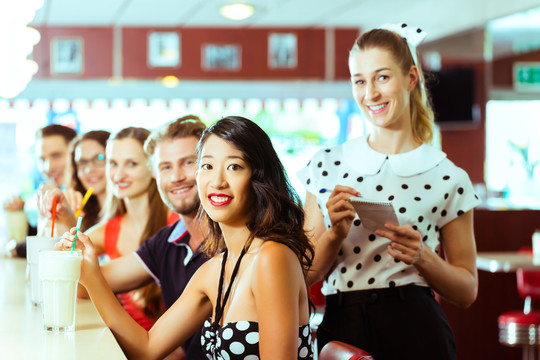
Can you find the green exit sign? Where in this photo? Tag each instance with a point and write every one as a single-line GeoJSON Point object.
{"type": "Point", "coordinates": [527, 76]}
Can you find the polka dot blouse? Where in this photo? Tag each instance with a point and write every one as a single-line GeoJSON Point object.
{"type": "Point", "coordinates": [240, 340]}
{"type": "Point", "coordinates": [427, 191]}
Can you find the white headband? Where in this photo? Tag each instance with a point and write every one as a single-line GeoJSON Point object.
{"type": "Point", "coordinates": [414, 36]}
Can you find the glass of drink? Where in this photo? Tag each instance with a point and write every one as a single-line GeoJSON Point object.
{"type": "Point", "coordinates": [16, 226]}
{"type": "Point", "coordinates": [59, 272]}
{"type": "Point", "coordinates": [34, 244]}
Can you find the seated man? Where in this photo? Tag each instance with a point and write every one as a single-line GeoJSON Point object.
{"type": "Point", "coordinates": [52, 143]}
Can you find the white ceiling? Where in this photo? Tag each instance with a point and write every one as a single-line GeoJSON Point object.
{"type": "Point", "coordinates": [438, 18]}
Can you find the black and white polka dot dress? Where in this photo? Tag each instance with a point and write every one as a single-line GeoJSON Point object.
{"type": "Point", "coordinates": [427, 191]}
{"type": "Point", "coordinates": [240, 340]}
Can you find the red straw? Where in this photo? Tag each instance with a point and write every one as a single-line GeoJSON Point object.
{"type": "Point", "coordinates": [55, 200]}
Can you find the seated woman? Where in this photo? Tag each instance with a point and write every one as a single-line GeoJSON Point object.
{"type": "Point", "coordinates": [86, 169]}
{"type": "Point", "coordinates": [133, 212]}
{"type": "Point", "coordinates": [251, 295]}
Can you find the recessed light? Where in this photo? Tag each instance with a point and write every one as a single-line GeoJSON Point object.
{"type": "Point", "coordinates": [170, 81]}
{"type": "Point", "coordinates": [236, 11]}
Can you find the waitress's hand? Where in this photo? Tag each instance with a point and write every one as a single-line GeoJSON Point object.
{"type": "Point", "coordinates": [341, 211]}
{"type": "Point", "coordinates": [407, 244]}
{"type": "Point", "coordinates": [90, 262]}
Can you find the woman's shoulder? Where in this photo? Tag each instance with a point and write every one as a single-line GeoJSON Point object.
{"type": "Point", "coordinates": [208, 272]}
{"type": "Point", "coordinates": [452, 171]}
{"type": "Point", "coordinates": [275, 269]}
{"type": "Point", "coordinates": [328, 151]}
{"type": "Point", "coordinates": [97, 234]}
{"type": "Point", "coordinates": [273, 255]}
{"type": "Point", "coordinates": [97, 229]}
{"type": "Point", "coordinates": [213, 264]}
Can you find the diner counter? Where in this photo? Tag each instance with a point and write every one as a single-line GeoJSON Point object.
{"type": "Point", "coordinates": [506, 261]}
{"type": "Point", "coordinates": [21, 326]}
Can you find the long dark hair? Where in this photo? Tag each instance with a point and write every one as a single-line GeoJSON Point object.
{"type": "Point", "coordinates": [277, 211]}
{"type": "Point", "coordinates": [92, 207]}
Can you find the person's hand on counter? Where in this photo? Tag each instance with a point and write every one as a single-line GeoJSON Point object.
{"type": "Point", "coordinates": [13, 203]}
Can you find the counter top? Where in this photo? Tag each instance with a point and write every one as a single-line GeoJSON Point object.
{"type": "Point", "coordinates": [506, 261]}
{"type": "Point", "coordinates": [21, 327]}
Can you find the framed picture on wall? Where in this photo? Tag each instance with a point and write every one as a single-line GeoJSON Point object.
{"type": "Point", "coordinates": [163, 49]}
{"type": "Point", "coordinates": [221, 57]}
{"type": "Point", "coordinates": [282, 51]}
{"type": "Point", "coordinates": [67, 55]}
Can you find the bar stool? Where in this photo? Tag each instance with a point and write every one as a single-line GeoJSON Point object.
{"type": "Point", "coordinates": [317, 299]}
{"type": "Point", "coordinates": [337, 350]}
{"type": "Point", "coordinates": [522, 328]}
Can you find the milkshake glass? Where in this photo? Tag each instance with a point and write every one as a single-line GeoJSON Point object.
{"type": "Point", "coordinates": [59, 272]}
{"type": "Point", "coordinates": [16, 225]}
{"type": "Point", "coordinates": [34, 244]}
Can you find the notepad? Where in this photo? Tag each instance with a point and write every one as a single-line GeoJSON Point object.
{"type": "Point", "coordinates": [374, 213]}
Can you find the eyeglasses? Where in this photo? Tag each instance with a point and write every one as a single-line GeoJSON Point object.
{"type": "Point", "coordinates": [96, 161]}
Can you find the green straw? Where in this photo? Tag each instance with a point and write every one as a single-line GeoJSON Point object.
{"type": "Point", "coordinates": [79, 221]}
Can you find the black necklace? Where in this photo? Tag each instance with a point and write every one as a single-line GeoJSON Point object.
{"type": "Point", "coordinates": [219, 304]}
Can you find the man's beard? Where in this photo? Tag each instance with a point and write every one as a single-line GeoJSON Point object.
{"type": "Point", "coordinates": [186, 207]}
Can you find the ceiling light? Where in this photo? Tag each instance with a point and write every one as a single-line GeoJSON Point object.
{"type": "Point", "coordinates": [236, 11]}
{"type": "Point", "coordinates": [170, 81]}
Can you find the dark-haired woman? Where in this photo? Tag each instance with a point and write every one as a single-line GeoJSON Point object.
{"type": "Point", "coordinates": [251, 296]}
{"type": "Point", "coordinates": [86, 169]}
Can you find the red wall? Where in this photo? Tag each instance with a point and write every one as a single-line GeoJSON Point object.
{"type": "Point", "coordinates": [98, 50]}
{"type": "Point", "coordinates": [344, 41]}
{"type": "Point", "coordinates": [465, 144]}
{"type": "Point", "coordinates": [503, 68]}
{"type": "Point", "coordinates": [98, 53]}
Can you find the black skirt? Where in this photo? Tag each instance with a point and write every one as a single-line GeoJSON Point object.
{"type": "Point", "coordinates": [403, 322]}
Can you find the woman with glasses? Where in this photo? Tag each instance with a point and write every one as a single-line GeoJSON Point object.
{"type": "Point", "coordinates": [87, 170]}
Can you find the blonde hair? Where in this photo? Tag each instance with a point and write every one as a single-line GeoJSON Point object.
{"type": "Point", "coordinates": [149, 296]}
{"type": "Point", "coordinates": [189, 125]}
{"type": "Point", "coordinates": [185, 126]}
{"type": "Point", "coordinates": [422, 118]}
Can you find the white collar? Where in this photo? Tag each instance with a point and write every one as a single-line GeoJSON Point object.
{"type": "Point", "coordinates": [414, 162]}
{"type": "Point", "coordinates": [177, 238]}
{"type": "Point", "coordinates": [178, 232]}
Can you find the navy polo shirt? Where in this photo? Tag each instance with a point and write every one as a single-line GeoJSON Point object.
{"type": "Point", "coordinates": [170, 261]}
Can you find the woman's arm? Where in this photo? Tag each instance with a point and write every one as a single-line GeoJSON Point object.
{"type": "Point", "coordinates": [327, 242]}
{"type": "Point", "coordinates": [170, 331]}
{"type": "Point", "coordinates": [277, 289]}
{"type": "Point", "coordinates": [126, 273]}
{"type": "Point", "coordinates": [455, 279]}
